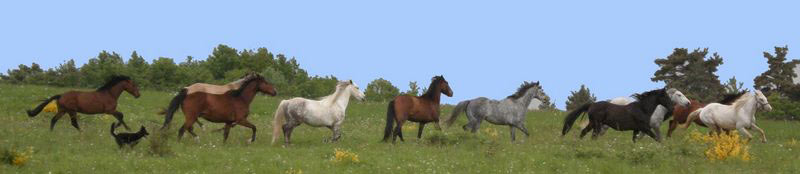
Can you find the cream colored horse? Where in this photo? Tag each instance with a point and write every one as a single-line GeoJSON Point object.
{"type": "Point", "coordinates": [740, 115]}
{"type": "Point", "coordinates": [218, 89]}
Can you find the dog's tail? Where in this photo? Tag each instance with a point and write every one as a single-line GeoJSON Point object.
{"type": "Point", "coordinates": [461, 107]}
{"type": "Point", "coordinates": [572, 116]}
{"type": "Point", "coordinates": [278, 120]}
{"type": "Point", "coordinates": [38, 109]}
{"type": "Point", "coordinates": [173, 107]}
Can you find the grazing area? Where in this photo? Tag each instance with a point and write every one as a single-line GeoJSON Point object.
{"type": "Point", "coordinates": [360, 150]}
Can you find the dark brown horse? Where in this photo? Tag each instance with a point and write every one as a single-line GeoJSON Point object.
{"type": "Point", "coordinates": [231, 108]}
{"type": "Point", "coordinates": [421, 109]}
{"type": "Point", "coordinates": [680, 113]}
{"type": "Point", "coordinates": [101, 101]}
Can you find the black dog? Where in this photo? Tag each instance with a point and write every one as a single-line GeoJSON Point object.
{"type": "Point", "coordinates": [130, 139]}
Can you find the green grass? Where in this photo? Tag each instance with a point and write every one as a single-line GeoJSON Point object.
{"type": "Point", "coordinates": [66, 150]}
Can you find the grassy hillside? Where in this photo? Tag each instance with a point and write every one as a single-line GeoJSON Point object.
{"type": "Point", "coordinates": [65, 150]}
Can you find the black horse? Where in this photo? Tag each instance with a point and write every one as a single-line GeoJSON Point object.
{"type": "Point", "coordinates": [634, 116]}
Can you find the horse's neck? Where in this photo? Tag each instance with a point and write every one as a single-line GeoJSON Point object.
{"type": "Point", "coordinates": [339, 98]}
{"type": "Point", "coordinates": [248, 94]}
{"type": "Point", "coordinates": [525, 100]}
{"type": "Point", "coordinates": [435, 96]}
{"type": "Point", "coordinates": [748, 108]}
{"type": "Point", "coordinates": [115, 91]}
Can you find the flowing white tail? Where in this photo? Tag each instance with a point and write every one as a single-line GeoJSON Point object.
{"type": "Point", "coordinates": [277, 122]}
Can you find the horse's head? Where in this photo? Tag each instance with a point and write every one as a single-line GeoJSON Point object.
{"type": "Point", "coordinates": [264, 86]}
{"type": "Point", "coordinates": [354, 90]}
{"type": "Point", "coordinates": [761, 101]}
{"type": "Point", "coordinates": [444, 85]}
{"type": "Point", "coordinates": [131, 87]}
{"type": "Point", "coordinates": [677, 97]}
{"type": "Point", "coordinates": [537, 91]}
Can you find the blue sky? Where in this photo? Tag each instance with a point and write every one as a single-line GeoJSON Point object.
{"type": "Point", "coordinates": [482, 48]}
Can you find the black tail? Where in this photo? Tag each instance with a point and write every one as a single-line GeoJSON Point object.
{"type": "Point", "coordinates": [387, 133]}
{"type": "Point", "coordinates": [38, 109]}
{"type": "Point", "coordinates": [572, 116]}
{"type": "Point", "coordinates": [173, 106]}
{"type": "Point", "coordinates": [112, 130]}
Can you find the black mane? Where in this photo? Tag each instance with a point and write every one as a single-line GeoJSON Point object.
{"type": "Point", "coordinates": [433, 88]}
{"type": "Point", "coordinates": [728, 99]}
{"type": "Point", "coordinates": [521, 90]}
{"type": "Point", "coordinates": [113, 81]}
{"type": "Point", "coordinates": [648, 94]}
{"type": "Point", "coordinates": [238, 92]}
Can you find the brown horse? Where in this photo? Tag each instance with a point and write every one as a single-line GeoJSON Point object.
{"type": "Point", "coordinates": [422, 109]}
{"type": "Point", "coordinates": [231, 108]}
{"type": "Point", "coordinates": [101, 101]}
{"type": "Point", "coordinates": [680, 113]}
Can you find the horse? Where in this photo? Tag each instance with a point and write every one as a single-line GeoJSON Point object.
{"type": "Point", "coordinates": [661, 113]}
{"type": "Point", "coordinates": [509, 111]}
{"type": "Point", "coordinates": [421, 109]}
{"type": "Point", "coordinates": [101, 101]}
{"type": "Point", "coordinates": [634, 116]}
{"type": "Point", "coordinates": [680, 113]}
{"type": "Point", "coordinates": [329, 111]}
{"type": "Point", "coordinates": [217, 89]}
{"type": "Point", "coordinates": [231, 108]}
{"type": "Point", "coordinates": [740, 115]}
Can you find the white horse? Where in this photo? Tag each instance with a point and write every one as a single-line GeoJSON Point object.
{"type": "Point", "coordinates": [655, 119]}
{"type": "Point", "coordinates": [740, 115]}
{"type": "Point", "coordinates": [329, 111]}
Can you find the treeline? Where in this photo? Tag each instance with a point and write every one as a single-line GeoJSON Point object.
{"type": "Point", "coordinates": [225, 64]}
{"type": "Point", "coordinates": [694, 74]}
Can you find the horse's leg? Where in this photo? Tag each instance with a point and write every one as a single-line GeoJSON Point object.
{"type": "Point", "coordinates": [246, 123]}
{"type": "Point", "coordinates": [743, 130]}
{"type": "Point", "coordinates": [55, 119]}
{"type": "Point", "coordinates": [73, 118]}
{"type": "Point", "coordinates": [436, 125]}
{"type": "Point", "coordinates": [672, 125]}
{"type": "Point", "coordinates": [421, 126]}
{"type": "Point", "coordinates": [513, 133]}
{"type": "Point", "coordinates": [598, 128]}
{"type": "Point", "coordinates": [337, 132]}
{"type": "Point", "coordinates": [288, 127]}
{"type": "Point", "coordinates": [225, 131]}
{"type": "Point", "coordinates": [476, 125]}
{"type": "Point", "coordinates": [763, 135]}
{"type": "Point", "coordinates": [653, 135]}
{"type": "Point", "coordinates": [119, 116]}
{"type": "Point", "coordinates": [586, 130]}
{"type": "Point", "coordinates": [635, 134]}
{"type": "Point", "coordinates": [521, 127]}
{"type": "Point", "coordinates": [398, 131]}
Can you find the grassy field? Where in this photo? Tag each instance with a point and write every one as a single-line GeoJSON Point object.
{"type": "Point", "coordinates": [65, 150]}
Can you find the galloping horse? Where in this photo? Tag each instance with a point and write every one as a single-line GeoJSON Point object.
{"type": "Point", "coordinates": [680, 113]}
{"type": "Point", "coordinates": [101, 101]}
{"type": "Point", "coordinates": [217, 89]}
{"type": "Point", "coordinates": [231, 108]}
{"type": "Point", "coordinates": [740, 115]}
{"type": "Point", "coordinates": [329, 111]}
{"type": "Point", "coordinates": [661, 113]}
{"type": "Point", "coordinates": [422, 109]}
{"type": "Point", "coordinates": [510, 111]}
{"type": "Point", "coordinates": [634, 116]}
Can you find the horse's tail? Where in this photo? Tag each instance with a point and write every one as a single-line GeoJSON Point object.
{"type": "Point", "coordinates": [692, 116]}
{"type": "Point", "coordinates": [173, 107]}
{"type": "Point", "coordinates": [572, 116]}
{"type": "Point", "coordinates": [38, 109]}
{"type": "Point", "coordinates": [277, 122]}
{"type": "Point", "coordinates": [461, 107]}
{"type": "Point", "coordinates": [390, 116]}
{"type": "Point", "coordinates": [112, 130]}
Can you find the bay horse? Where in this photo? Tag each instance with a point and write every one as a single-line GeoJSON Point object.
{"type": "Point", "coordinates": [421, 109]}
{"type": "Point", "coordinates": [634, 116]}
{"type": "Point", "coordinates": [328, 111]}
{"type": "Point", "coordinates": [681, 113]}
{"type": "Point", "coordinates": [740, 115]}
{"type": "Point", "coordinates": [231, 108]}
{"type": "Point", "coordinates": [101, 101]}
{"type": "Point", "coordinates": [217, 89]}
{"type": "Point", "coordinates": [509, 111]}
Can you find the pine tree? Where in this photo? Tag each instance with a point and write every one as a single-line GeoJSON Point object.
{"type": "Point", "coordinates": [413, 89]}
{"type": "Point", "coordinates": [780, 74]}
{"type": "Point", "coordinates": [580, 97]}
{"type": "Point", "coordinates": [733, 86]}
{"type": "Point", "coordinates": [691, 73]}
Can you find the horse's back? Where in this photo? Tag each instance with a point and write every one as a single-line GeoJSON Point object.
{"type": "Point", "coordinates": [206, 88]}
{"type": "Point", "coordinates": [721, 115]}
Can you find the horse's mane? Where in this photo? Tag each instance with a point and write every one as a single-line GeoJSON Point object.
{"type": "Point", "coordinates": [521, 90]}
{"type": "Point", "coordinates": [739, 103]}
{"type": "Point", "coordinates": [433, 88]}
{"type": "Point", "coordinates": [113, 81]}
{"type": "Point", "coordinates": [338, 85]}
{"type": "Point", "coordinates": [648, 94]}
{"type": "Point", "coordinates": [238, 92]}
{"type": "Point", "coordinates": [728, 99]}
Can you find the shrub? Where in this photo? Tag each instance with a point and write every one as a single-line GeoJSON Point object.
{"type": "Point", "coordinates": [17, 157]}
{"type": "Point", "coordinates": [783, 108]}
{"type": "Point", "coordinates": [722, 147]}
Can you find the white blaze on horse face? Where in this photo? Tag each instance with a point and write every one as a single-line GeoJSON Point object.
{"type": "Point", "coordinates": [678, 97]}
{"type": "Point", "coordinates": [762, 101]}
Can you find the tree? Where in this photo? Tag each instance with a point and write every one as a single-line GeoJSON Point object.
{"type": "Point", "coordinates": [692, 73]}
{"type": "Point", "coordinates": [413, 89]}
{"type": "Point", "coordinates": [136, 68]}
{"type": "Point", "coordinates": [733, 86]}
{"type": "Point", "coordinates": [546, 104]}
{"type": "Point", "coordinates": [780, 74]}
{"type": "Point", "coordinates": [68, 74]}
{"type": "Point", "coordinates": [100, 68]}
{"type": "Point", "coordinates": [381, 90]}
{"type": "Point", "coordinates": [163, 74]}
{"type": "Point", "coordinates": [222, 60]}
{"type": "Point", "coordinates": [580, 97]}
